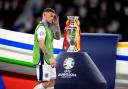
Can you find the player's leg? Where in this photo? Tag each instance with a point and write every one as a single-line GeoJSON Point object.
{"type": "Point", "coordinates": [46, 75]}
{"type": "Point", "coordinates": [51, 84]}
{"type": "Point", "coordinates": [39, 78]}
{"type": "Point", "coordinates": [53, 77]}
{"type": "Point", "coordinates": [42, 84]}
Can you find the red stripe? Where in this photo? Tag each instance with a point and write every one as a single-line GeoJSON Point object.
{"type": "Point", "coordinates": [18, 81]}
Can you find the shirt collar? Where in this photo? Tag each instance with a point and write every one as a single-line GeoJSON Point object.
{"type": "Point", "coordinates": [45, 24]}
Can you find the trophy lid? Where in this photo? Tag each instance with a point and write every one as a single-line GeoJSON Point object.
{"type": "Point", "coordinates": [73, 17]}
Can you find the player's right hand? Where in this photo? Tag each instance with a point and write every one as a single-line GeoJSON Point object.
{"type": "Point", "coordinates": [53, 63]}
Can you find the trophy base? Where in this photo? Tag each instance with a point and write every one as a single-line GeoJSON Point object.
{"type": "Point", "coordinates": [76, 70]}
{"type": "Point", "coordinates": [72, 49]}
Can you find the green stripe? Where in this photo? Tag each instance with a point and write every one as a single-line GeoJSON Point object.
{"type": "Point", "coordinates": [14, 61]}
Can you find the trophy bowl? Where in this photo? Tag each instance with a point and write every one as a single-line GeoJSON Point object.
{"type": "Point", "coordinates": [71, 37]}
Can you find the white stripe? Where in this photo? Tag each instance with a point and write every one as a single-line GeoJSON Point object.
{"type": "Point", "coordinates": [121, 81]}
{"type": "Point", "coordinates": [122, 67]}
{"type": "Point", "coordinates": [16, 36]}
{"type": "Point", "coordinates": [122, 51]}
{"type": "Point", "coordinates": [58, 43]}
{"type": "Point", "coordinates": [55, 55]}
{"type": "Point", "coordinates": [14, 49]}
{"type": "Point", "coordinates": [15, 55]}
{"type": "Point", "coordinates": [123, 42]}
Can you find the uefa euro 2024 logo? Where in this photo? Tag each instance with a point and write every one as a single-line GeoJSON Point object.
{"type": "Point", "coordinates": [68, 63]}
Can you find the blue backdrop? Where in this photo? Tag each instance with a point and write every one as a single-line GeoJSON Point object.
{"type": "Point", "coordinates": [102, 49]}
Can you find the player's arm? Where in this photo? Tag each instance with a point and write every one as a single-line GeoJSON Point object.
{"type": "Point", "coordinates": [56, 28]}
{"type": "Point", "coordinates": [57, 32]}
{"type": "Point", "coordinates": [41, 38]}
{"type": "Point", "coordinates": [44, 49]}
{"type": "Point", "coordinates": [46, 53]}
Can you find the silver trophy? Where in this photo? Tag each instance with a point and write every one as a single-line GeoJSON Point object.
{"type": "Point", "coordinates": [71, 33]}
{"type": "Point", "coordinates": [71, 37]}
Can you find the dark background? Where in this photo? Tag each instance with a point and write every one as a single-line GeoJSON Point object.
{"type": "Point", "coordinates": [96, 16]}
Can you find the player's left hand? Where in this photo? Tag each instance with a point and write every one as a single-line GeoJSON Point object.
{"type": "Point", "coordinates": [53, 63]}
{"type": "Point", "coordinates": [56, 20]}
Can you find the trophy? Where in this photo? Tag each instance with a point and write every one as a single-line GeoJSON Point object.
{"type": "Point", "coordinates": [72, 34]}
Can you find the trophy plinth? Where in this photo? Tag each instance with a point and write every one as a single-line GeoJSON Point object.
{"type": "Point", "coordinates": [76, 70]}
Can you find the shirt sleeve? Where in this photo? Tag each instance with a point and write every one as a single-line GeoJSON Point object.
{"type": "Point", "coordinates": [41, 34]}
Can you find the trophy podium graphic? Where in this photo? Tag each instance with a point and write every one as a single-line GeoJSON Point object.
{"type": "Point", "coordinates": [76, 70]}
